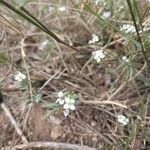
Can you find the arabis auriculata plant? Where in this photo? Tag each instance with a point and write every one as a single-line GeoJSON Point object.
{"type": "Point", "coordinates": [67, 100]}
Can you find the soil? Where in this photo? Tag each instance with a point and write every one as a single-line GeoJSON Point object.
{"type": "Point", "coordinates": [40, 128]}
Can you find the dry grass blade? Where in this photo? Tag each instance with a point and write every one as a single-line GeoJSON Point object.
{"type": "Point", "coordinates": [107, 102]}
{"type": "Point", "coordinates": [52, 145]}
{"type": "Point", "coordinates": [13, 122]}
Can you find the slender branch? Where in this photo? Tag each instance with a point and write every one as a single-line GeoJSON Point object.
{"type": "Point", "coordinates": [13, 122]}
{"type": "Point", "coordinates": [53, 145]}
{"type": "Point", "coordinates": [137, 31]}
{"type": "Point", "coordinates": [29, 17]}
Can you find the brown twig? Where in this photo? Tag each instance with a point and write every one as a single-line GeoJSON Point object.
{"type": "Point", "coordinates": [13, 122]}
{"type": "Point", "coordinates": [26, 68]}
{"type": "Point", "coordinates": [53, 145]}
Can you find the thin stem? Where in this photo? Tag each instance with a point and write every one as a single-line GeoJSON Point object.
{"type": "Point", "coordinates": [29, 17]}
{"type": "Point", "coordinates": [137, 31]}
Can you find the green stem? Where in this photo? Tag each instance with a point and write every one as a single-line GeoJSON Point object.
{"type": "Point", "coordinates": [137, 31]}
{"type": "Point", "coordinates": [29, 17]}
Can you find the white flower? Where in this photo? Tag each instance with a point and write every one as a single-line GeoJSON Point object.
{"type": "Point", "coordinates": [60, 101]}
{"type": "Point", "coordinates": [66, 112]}
{"type": "Point", "coordinates": [67, 100]}
{"type": "Point", "coordinates": [94, 39]}
{"type": "Point", "coordinates": [60, 94]}
{"type": "Point", "coordinates": [69, 103]}
{"type": "Point", "coordinates": [20, 76]}
{"type": "Point", "coordinates": [125, 59]}
{"type": "Point", "coordinates": [69, 106]}
{"type": "Point", "coordinates": [98, 55]}
{"type": "Point", "coordinates": [123, 120]}
{"type": "Point", "coordinates": [43, 44]}
{"type": "Point", "coordinates": [62, 8]}
{"type": "Point", "coordinates": [106, 14]}
{"type": "Point", "coordinates": [127, 28]}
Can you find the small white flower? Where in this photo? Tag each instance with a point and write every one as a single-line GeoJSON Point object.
{"type": "Point", "coordinates": [72, 107]}
{"type": "Point", "coordinates": [106, 14]}
{"type": "Point", "coordinates": [20, 76]}
{"type": "Point", "coordinates": [125, 59]}
{"type": "Point", "coordinates": [127, 28]}
{"type": "Point", "coordinates": [67, 100]}
{"type": "Point", "coordinates": [66, 106]}
{"type": "Point", "coordinates": [60, 94]}
{"type": "Point", "coordinates": [66, 112]}
{"type": "Point", "coordinates": [98, 55]}
{"type": "Point", "coordinates": [62, 8]}
{"type": "Point", "coordinates": [123, 120]}
{"type": "Point", "coordinates": [43, 44]}
{"type": "Point", "coordinates": [60, 101]}
{"type": "Point", "coordinates": [94, 39]}
{"type": "Point", "coordinates": [69, 103]}
{"type": "Point", "coordinates": [69, 106]}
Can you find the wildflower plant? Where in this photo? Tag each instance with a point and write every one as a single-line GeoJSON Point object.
{"type": "Point", "coordinates": [67, 101]}
{"type": "Point", "coordinates": [102, 17]}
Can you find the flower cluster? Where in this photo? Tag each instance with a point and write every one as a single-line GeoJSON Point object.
{"type": "Point", "coordinates": [94, 39]}
{"type": "Point", "coordinates": [125, 59]}
{"type": "Point", "coordinates": [62, 8]}
{"type": "Point", "coordinates": [43, 44]}
{"type": "Point", "coordinates": [123, 120]}
{"type": "Point", "coordinates": [67, 100]}
{"type": "Point", "coordinates": [106, 14]}
{"type": "Point", "coordinates": [127, 28]}
{"type": "Point", "coordinates": [98, 55]}
{"type": "Point", "coordinates": [19, 76]}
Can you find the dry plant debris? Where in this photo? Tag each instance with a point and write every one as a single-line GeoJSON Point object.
{"type": "Point", "coordinates": [75, 74]}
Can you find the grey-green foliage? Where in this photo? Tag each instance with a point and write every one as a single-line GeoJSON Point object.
{"type": "Point", "coordinates": [37, 97]}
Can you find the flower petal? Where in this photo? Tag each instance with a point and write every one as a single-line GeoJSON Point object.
{"type": "Point", "coordinates": [66, 106]}
{"type": "Point", "coordinates": [72, 107]}
{"type": "Point", "coordinates": [60, 94]}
